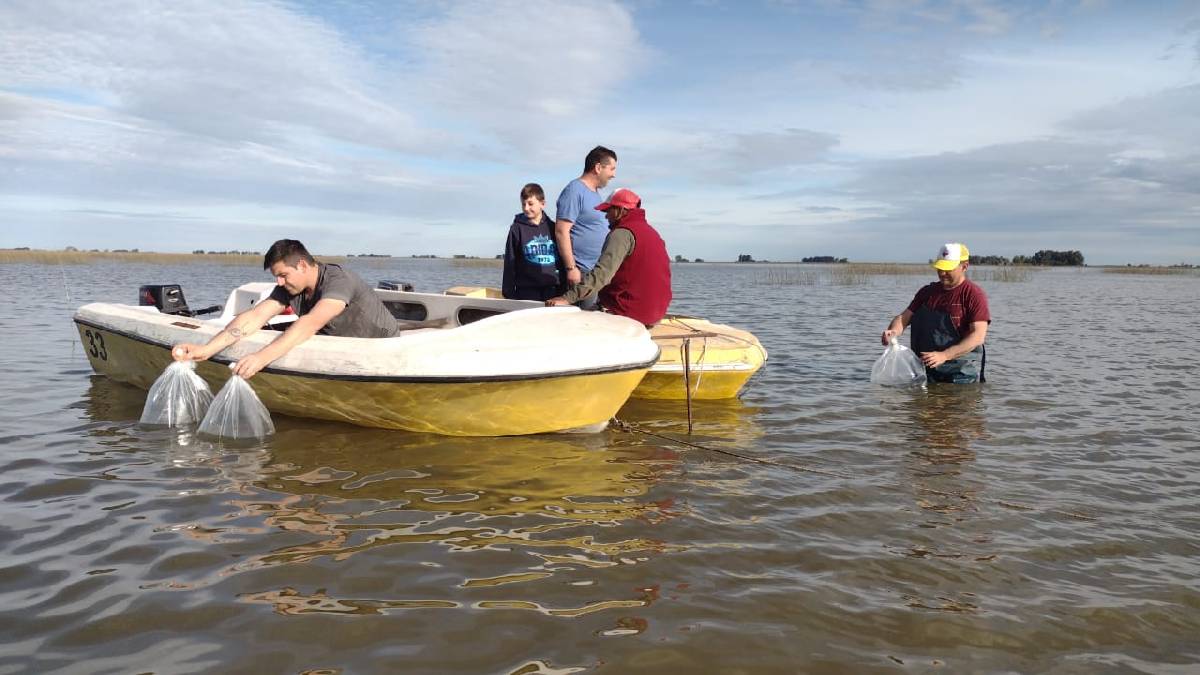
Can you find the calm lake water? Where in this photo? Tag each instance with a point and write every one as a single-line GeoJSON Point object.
{"type": "Point", "coordinates": [1046, 521]}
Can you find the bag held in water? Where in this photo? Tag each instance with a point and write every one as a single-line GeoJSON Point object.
{"type": "Point", "coordinates": [898, 366]}
{"type": "Point", "coordinates": [178, 397]}
{"type": "Point", "coordinates": [236, 412]}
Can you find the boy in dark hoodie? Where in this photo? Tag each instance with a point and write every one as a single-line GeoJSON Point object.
{"type": "Point", "coordinates": [531, 265]}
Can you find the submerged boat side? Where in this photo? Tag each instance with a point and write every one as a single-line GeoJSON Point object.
{"type": "Point", "coordinates": [518, 373]}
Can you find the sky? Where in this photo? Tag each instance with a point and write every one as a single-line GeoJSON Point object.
{"type": "Point", "coordinates": [873, 130]}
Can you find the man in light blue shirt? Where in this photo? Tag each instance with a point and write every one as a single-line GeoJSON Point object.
{"type": "Point", "coordinates": [579, 229]}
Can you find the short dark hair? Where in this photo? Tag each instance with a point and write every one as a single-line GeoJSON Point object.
{"type": "Point", "coordinates": [598, 155]}
{"type": "Point", "coordinates": [532, 190]}
{"type": "Point", "coordinates": [289, 251]}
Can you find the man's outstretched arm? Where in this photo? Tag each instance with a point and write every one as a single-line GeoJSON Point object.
{"type": "Point", "coordinates": [300, 330]}
{"type": "Point", "coordinates": [246, 323]}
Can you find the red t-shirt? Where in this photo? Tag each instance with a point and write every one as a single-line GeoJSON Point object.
{"type": "Point", "coordinates": [966, 303]}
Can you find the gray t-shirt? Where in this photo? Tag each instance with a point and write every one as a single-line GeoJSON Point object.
{"type": "Point", "coordinates": [364, 316]}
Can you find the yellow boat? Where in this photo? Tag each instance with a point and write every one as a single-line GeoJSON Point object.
{"type": "Point", "coordinates": [722, 359]}
{"type": "Point", "coordinates": [466, 367]}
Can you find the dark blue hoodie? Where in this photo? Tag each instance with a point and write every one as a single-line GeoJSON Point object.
{"type": "Point", "coordinates": [531, 263]}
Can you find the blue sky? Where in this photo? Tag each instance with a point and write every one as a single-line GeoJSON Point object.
{"type": "Point", "coordinates": [867, 129]}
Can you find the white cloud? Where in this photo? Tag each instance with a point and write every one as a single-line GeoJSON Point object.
{"type": "Point", "coordinates": [212, 68]}
{"type": "Point", "coordinates": [521, 68]}
{"type": "Point", "coordinates": [248, 119]}
{"type": "Point", "coordinates": [1168, 120]}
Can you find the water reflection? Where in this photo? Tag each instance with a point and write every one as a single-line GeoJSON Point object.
{"type": "Point", "coordinates": [728, 420]}
{"type": "Point", "coordinates": [940, 426]}
{"type": "Point", "coordinates": [479, 518]}
{"type": "Point", "coordinates": [946, 421]}
{"type": "Point", "coordinates": [485, 517]}
{"type": "Point", "coordinates": [943, 423]}
{"type": "Point", "coordinates": [371, 488]}
{"type": "Point", "coordinates": [107, 400]}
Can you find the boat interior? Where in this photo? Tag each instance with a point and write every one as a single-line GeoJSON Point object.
{"type": "Point", "coordinates": [456, 307]}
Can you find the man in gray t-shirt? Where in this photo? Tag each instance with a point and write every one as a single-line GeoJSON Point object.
{"type": "Point", "coordinates": [364, 315]}
{"type": "Point", "coordinates": [328, 299]}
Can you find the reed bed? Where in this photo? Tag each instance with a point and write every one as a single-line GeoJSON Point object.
{"type": "Point", "coordinates": [1154, 271]}
{"type": "Point", "coordinates": [786, 276]}
{"type": "Point", "coordinates": [884, 269]}
{"type": "Point", "coordinates": [858, 274]}
{"type": "Point", "coordinates": [1003, 274]}
{"type": "Point", "coordinates": [840, 274]}
{"type": "Point", "coordinates": [850, 275]}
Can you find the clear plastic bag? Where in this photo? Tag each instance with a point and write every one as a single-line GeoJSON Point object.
{"type": "Point", "coordinates": [178, 397]}
{"type": "Point", "coordinates": [898, 366]}
{"type": "Point", "coordinates": [236, 412]}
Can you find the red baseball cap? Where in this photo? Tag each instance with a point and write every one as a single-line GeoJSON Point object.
{"type": "Point", "coordinates": [621, 197]}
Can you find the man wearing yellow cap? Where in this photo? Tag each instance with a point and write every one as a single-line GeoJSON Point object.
{"type": "Point", "coordinates": [949, 319]}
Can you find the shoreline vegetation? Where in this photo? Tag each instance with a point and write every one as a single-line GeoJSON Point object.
{"type": "Point", "coordinates": [805, 272]}
{"type": "Point", "coordinates": [855, 274]}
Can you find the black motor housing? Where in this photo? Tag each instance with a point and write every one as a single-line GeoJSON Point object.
{"type": "Point", "coordinates": [393, 285]}
{"type": "Point", "coordinates": [168, 298]}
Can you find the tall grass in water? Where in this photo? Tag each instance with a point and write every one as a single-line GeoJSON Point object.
{"type": "Point", "coordinates": [787, 276]}
{"type": "Point", "coordinates": [840, 274]}
{"type": "Point", "coordinates": [1003, 274]}
{"type": "Point", "coordinates": [857, 274]}
{"type": "Point", "coordinates": [885, 269]}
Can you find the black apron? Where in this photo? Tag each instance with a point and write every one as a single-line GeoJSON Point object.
{"type": "Point", "coordinates": [933, 331]}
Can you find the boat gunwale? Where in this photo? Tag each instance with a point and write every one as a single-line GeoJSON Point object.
{"type": "Point", "coordinates": [676, 367]}
{"type": "Point", "coordinates": [395, 379]}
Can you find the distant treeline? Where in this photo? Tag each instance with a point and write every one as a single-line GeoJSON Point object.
{"type": "Point", "coordinates": [1044, 258]}
{"type": "Point", "coordinates": [823, 259]}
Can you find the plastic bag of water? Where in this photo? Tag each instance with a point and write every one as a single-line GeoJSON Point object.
{"type": "Point", "coordinates": [178, 397]}
{"type": "Point", "coordinates": [236, 412]}
{"type": "Point", "coordinates": [898, 366]}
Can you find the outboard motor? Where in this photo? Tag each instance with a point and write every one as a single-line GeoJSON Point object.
{"type": "Point", "coordinates": [393, 285]}
{"type": "Point", "coordinates": [168, 298]}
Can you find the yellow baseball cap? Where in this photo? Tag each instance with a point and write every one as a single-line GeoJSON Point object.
{"type": "Point", "coordinates": [950, 257]}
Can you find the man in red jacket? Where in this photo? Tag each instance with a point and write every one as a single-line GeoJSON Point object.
{"type": "Point", "coordinates": [633, 274]}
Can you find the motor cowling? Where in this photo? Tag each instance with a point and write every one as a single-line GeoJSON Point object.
{"type": "Point", "coordinates": [168, 299]}
{"type": "Point", "coordinates": [394, 285]}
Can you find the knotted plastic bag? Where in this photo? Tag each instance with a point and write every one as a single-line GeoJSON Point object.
{"type": "Point", "coordinates": [898, 366]}
{"type": "Point", "coordinates": [236, 412]}
{"type": "Point", "coordinates": [178, 397]}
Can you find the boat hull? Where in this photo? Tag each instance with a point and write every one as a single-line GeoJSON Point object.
{"type": "Point", "coordinates": [711, 385]}
{"type": "Point", "coordinates": [454, 406]}
{"type": "Point", "coordinates": [721, 360]}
